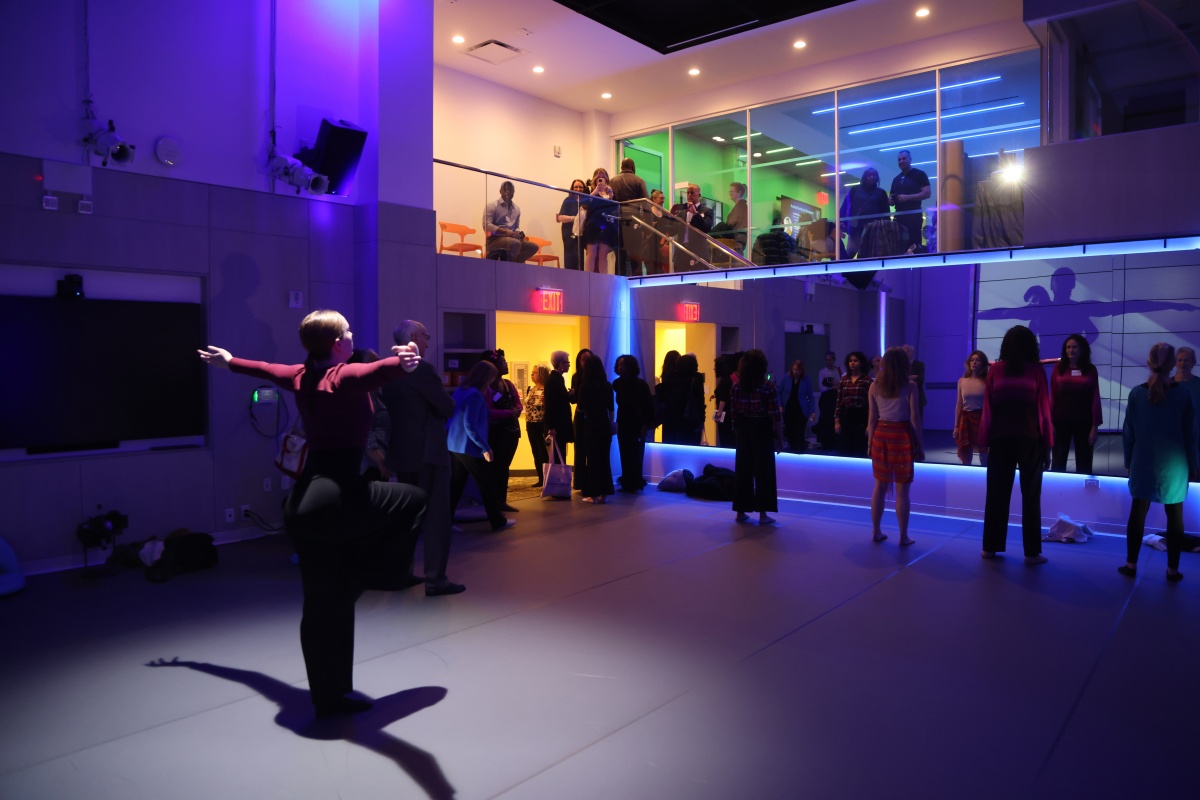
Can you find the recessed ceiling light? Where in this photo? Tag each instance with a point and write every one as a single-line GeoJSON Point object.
{"type": "Point", "coordinates": [922, 12]}
{"type": "Point", "coordinates": [458, 40]}
{"type": "Point", "coordinates": [539, 69]}
{"type": "Point", "coordinates": [693, 71]}
{"type": "Point", "coordinates": [607, 95]}
{"type": "Point", "coordinates": [799, 44]}
{"type": "Point", "coordinates": [718, 138]}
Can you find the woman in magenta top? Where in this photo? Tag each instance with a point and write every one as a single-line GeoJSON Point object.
{"type": "Point", "coordinates": [1075, 405]}
{"type": "Point", "coordinates": [349, 532]}
{"type": "Point", "coordinates": [1016, 429]}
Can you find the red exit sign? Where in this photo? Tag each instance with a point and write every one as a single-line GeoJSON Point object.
{"type": "Point", "coordinates": [689, 312]}
{"type": "Point", "coordinates": [548, 301]}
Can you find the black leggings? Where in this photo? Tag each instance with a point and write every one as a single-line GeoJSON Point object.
{"type": "Point", "coordinates": [1064, 433]}
{"type": "Point", "coordinates": [348, 533]}
{"type": "Point", "coordinates": [504, 441]}
{"type": "Point", "coordinates": [461, 466]}
{"type": "Point", "coordinates": [1136, 529]}
{"type": "Point", "coordinates": [1006, 455]}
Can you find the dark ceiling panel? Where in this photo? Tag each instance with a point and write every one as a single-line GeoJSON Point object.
{"type": "Point", "coordinates": [669, 26]}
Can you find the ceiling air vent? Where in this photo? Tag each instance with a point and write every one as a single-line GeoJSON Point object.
{"type": "Point", "coordinates": [494, 52]}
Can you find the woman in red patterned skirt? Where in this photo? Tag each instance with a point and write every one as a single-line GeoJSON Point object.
{"type": "Point", "coordinates": [894, 436]}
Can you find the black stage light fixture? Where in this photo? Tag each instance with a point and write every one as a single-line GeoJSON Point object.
{"type": "Point", "coordinates": [336, 154]}
{"type": "Point", "coordinates": [859, 280]}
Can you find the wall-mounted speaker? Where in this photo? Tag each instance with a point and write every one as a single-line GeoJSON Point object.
{"type": "Point", "coordinates": [336, 154]}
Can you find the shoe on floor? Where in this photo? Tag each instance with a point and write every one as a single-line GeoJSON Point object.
{"type": "Point", "coordinates": [395, 584]}
{"type": "Point", "coordinates": [1038, 559]}
{"type": "Point", "coordinates": [509, 509]}
{"type": "Point", "coordinates": [1175, 577]}
{"type": "Point", "coordinates": [437, 590]}
{"type": "Point", "coordinates": [1128, 572]}
{"type": "Point", "coordinates": [508, 523]}
{"type": "Point", "coordinates": [340, 706]}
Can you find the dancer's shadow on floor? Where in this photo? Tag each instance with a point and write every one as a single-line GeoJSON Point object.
{"type": "Point", "coordinates": [365, 729]}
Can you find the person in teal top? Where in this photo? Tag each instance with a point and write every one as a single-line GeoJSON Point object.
{"type": "Point", "coordinates": [1160, 453]}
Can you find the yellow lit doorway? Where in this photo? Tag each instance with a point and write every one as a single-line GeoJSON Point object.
{"type": "Point", "coordinates": [528, 340]}
{"type": "Point", "coordinates": [687, 337]}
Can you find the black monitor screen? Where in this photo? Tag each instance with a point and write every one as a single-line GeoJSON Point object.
{"type": "Point", "coordinates": [87, 374]}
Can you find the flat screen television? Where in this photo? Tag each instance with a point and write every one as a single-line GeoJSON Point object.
{"type": "Point", "coordinates": [89, 374]}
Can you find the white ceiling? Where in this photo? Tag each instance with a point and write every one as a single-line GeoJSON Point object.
{"type": "Point", "coordinates": [582, 58]}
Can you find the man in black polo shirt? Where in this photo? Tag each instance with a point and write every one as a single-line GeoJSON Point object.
{"type": "Point", "coordinates": [909, 188]}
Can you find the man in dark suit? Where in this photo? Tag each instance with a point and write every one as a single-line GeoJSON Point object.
{"type": "Point", "coordinates": [419, 406]}
{"type": "Point", "coordinates": [558, 405]}
{"type": "Point", "coordinates": [628, 186]}
{"type": "Point", "coordinates": [697, 215]}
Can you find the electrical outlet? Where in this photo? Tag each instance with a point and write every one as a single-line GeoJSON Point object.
{"type": "Point", "coordinates": [1091, 483]}
{"type": "Point", "coordinates": [229, 515]}
{"type": "Point", "coordinates": [266, 484]}
{"type": "Point", "coordinates": [245, 512]}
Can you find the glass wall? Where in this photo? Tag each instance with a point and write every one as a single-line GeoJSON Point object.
{"type": "Point", "coordinates": [989, 116]}
{"type": "Point", "coordinates": [712, 153]}
{"type": "Point", "coordinates": [791, 180]}
{"type": "Point", "coordinates": [887, 156]}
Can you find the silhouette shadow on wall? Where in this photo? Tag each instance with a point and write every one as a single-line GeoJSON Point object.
{"type": "Point", "coordinates": [365, 729]}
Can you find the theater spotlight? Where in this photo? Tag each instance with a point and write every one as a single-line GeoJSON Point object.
{"type": "Point", "coordinates": [106, 143]}
{"type": "Point", "coordinates": [291, 171]}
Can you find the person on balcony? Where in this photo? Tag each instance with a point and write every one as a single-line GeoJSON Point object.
{"type": "Point", "coordinates": [502, 222]}
{"type": "Point", "coordinates": [627, 186]}
{"type": "Point", "coordinates": [697, 215]}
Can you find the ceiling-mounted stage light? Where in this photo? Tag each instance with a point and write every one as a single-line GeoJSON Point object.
{"type": "Point", "coordinates": [106, 143]}
{"type": "Point", "coordinates": [291, 171]}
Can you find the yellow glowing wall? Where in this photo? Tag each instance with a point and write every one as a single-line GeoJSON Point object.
{"type": "Point", "coordinates": [687, 337]}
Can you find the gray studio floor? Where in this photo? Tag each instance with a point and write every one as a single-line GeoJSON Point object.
{"type": "Point", "coordinates": [651, 648]}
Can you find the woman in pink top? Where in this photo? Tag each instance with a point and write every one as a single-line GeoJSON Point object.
{"type": "Point", "coordinates": [894, 439]}
{"type": "Point", "coordinates": [1074, 405]}
{"type": "Point", "coordinates": [349, 532]}
{"type": "Point", "coordinates": [1016, 429]}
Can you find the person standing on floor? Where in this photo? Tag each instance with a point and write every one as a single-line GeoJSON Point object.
{"type": "Point", "coordinates": [418, 409]}
{"type": "Point", "coordinates": [828, 380]}
{"type": "Point", "coordinates": [580, 465]}
{"type": "Point", "coordinates": [1075, 405]}
{"type": "Point", "coordinates": [467, 437]}
{"type": "Point", "coordinates": [1016, 429]}
{"type": "Point", "coordinates": [850, 415]}
{"type": "Point", "coordinates": [348, 531]}
{"type": "Point", "coordinates": [635, 420]}
{"type": "Point", "coordinates": [1158, 434]}
{"type": "Point", "coordinates": [758, 423]}
{"type": "Point", "coordinates": [572, 244]}
{"type": "Point", "coordinates": [968, 409]}
{"type": "Point", "coordinates": [894, 436]}
{"type": "Point", "coordinates": [535, 417]}
{"type": "Point", "coordinates": [504, 424]}
{"type": "Point", "coordinates": [559, 429]}
{"type": "Point", "coordinates": [725, 370]}
{"type": "Point", "coordinates": [1185, 362]}
{"type": "Point", "coordinates": [594, 427]}
{"type": "Point", "coordinates": [795, 395]}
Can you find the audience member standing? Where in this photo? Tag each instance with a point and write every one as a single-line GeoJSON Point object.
{"type": "Point", "coordinates": [1075, 405]}
{"type": "Point", "coordinates": [909, 188]}
{"type": "Point", "coordinates": [504, 425]}
{"type": "Point", "coordinates": [1158, 435]}
{"type": "Point", "coordinates": [1017, 431]}
{"type": "Point", "coordinates": [850, 416]}
{"type": "Point", "coordinates": [626, 187]}
{"type": "Point", "coordinates": [635, 420]}
{"type": "Point", "coordinates": [828, 380]}
{"type": "Point", "coordinates": [757, 418]}
{"type": "Point", "coordinates": [467, 438]}
{"type": "Point", "coordinates": [600, 221]}
{"type": "Point", "coordinates": [795, 395]}
{"type": "Point", "coordinates": [968, 409]}
{"type": "Point", "coordinates": [736, 224]}
{"type": "Point", "coordinates": [663, 388]}
{"type": "Point", "coordinates": [558, 404]}
{"type": "Point", "coordinates": [577, 475]}
{"type": "Point", "coordinates": [535, 417]}
{"type": "Point", "coordinates": [343, 526]}
{"type": "Point", "coordinates": [567, 212]}
{"type": "Point", "coordinates": [725, 370]}
{"type": "Point", "coordinates": [864, 204]}
{"type": "Point", "coordinates": [1185, 362]}
{"type": "Point", "coordinates": [684, 420]}
{"type": "Point", "coordinates": [594, 427]}
{"type": "Point", "coordinates": [916, 374]}
{"type": "Point", "coordinates": [894, 433]}
{"type": "Point", "coordinates": [418, 409]}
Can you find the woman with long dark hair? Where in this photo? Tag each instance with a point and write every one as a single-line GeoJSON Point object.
{"type": "Point", "coordinates": [580, 465]}
{"type": "Point", "coordinates": [754, 403]}
{"type": "Point", "coordinates": [635, 420]}
{"type": "Point", "coordinates": [1074, 405]}
{"type": "Point", "coordinates": [504, 424]}
{"type": "Point", "coordinates": [684, 414]}
{"type": "Point", "coordinates": [572, 244]}
{"type": "Point", "coordinates": [1017, 431]}
{"type": "Point", "coordinates": [894, 434]}
{"type": "Point", "coordinates": [850, 414]}
{"type": "Point", "coordinates": [1159, 436]}
{"type": "Point", "coordinates": [349, 532]}
{"type": "Point", "coordinates": [594, 423]}
{"type": "Point", "coordinates": [602, 215]}
{"type": "Point", "coordinates": [968, 408]}
{"type": "Point", "coordinates": [663, 388]}
{"type": "Point", "coordinates": [725, 371]}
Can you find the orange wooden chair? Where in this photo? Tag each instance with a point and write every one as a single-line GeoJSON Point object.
{"type": "Point", "coordinates": [462, 246]}
{"type": "Point", "coordinates": [540, 259]}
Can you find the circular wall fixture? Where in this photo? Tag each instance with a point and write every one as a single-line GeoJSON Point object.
{"type": "Point", "coordinates": [168, 152]}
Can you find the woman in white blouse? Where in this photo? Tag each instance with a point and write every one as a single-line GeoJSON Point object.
{"type": "Point", "coordinates": [969, 408]}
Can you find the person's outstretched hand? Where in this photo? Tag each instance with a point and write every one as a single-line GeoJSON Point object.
{"type": "Point", "coordinates": [217, 356]}
{"type": "Point", "coordinates": [409, 355]}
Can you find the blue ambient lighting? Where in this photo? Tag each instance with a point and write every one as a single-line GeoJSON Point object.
{"type": "Point", "coordinates": [930, 140]}
{"type": "Point", "coordinates": [907, 94]}
{"type": "Point", "coordinates": [934, 119]}
{"type": "Point", "coordinates": [918, 261]}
